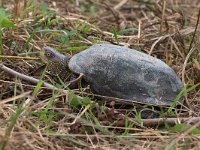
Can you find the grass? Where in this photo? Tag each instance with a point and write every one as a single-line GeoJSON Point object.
{"type": "Point", "coordinates": [45, 119]}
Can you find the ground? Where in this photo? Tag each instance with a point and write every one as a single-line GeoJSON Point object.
{"type": "Point", "coordinates": [34, 117]}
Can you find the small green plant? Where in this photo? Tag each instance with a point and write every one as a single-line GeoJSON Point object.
{"type": "Point", "coordinates": [94, 120]}
{"type": "Point", "coordinates": [83, 28]}
{"type": "Point", "coordinates": [137, 47]}
{"type": "Point", "coordinates": [47, 115]}
{"type": "Point", "coordinates": [103, 109]}
{"type": "Point", "coordinates": [128, 126]}
{"type": "Point", "coordinates": [181, 94]}
{"type": "Point", "coordinates": [127, 31]}
{"type": "Point", "coordinates": [183, 127]}
{"type": "Point", "coordinates": [114, 31]}
{"type": "Point", "coordinates": [5, 22]}
{"type": "Point", "coordinates": [138, 115]}
{"type": "Point", "coordinates": [76, 101]}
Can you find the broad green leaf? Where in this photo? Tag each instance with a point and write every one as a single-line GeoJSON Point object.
{"type": "Point", "coordinates": [7, 23]}
{"type": "Point", "coordinates": [74, 100]}
{"type": "Point", "coordinates": [4, 20]}
{"type": "Point", "coordinates": [86, 101]}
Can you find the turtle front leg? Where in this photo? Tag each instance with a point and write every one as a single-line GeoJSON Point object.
{"type": "Point", "coordinates": [74, 79]}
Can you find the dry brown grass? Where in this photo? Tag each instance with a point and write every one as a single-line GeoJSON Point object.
{"type": "Point", "coordinates": [163, 29]}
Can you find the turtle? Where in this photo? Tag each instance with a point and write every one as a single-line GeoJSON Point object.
{"type": "Point", "coordinates": [120, 72]}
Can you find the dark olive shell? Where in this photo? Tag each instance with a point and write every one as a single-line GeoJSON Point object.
{"type": "Point", "coordinates": [126, 73]}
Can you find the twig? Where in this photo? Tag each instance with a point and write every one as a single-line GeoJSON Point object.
{"type": "Point", "coordinates": [154, 44]}
{"type": "Point", "coordinates": [163, 16]}
{"type": "Point", "coordinates": [197, 23]}
{"type": "Point", "coordinates": [185, 63]}
{"type": "Point", "coordinates": [10, 99]}
{"type": "Point", "coordinates": [196, 65]}
{"type": "Point", "coordinates": [26, 85]}
{"type": "Point", "coordinates": [79, 116]}
{"type": "Point", "coordinates": [176, 47]}
{"type": "Point", "coordinates": [25, 77]}
{"type": "Point", "coordinates": [77, 79]}
{"type": "Point", "coordinates": [120, 4]}
{"type": "Point", "coordinates": [18, 57]}
{"type": "Point", "coordinates": [170, 121]}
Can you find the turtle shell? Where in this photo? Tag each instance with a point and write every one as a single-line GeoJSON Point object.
{"type": "Point", "coordinates": [125, 73]}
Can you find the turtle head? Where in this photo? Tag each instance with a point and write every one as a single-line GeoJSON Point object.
{"type": "Point", "coordinates": [50, 55]}
{"type": "Point", "coordinates": [57, 62]}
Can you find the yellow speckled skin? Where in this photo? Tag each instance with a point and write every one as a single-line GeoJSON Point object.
{"type": "Point", "coordinates": [57, 62]}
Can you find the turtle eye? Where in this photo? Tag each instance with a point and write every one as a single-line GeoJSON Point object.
{"type": "Point", "coordinates": [48, 54]}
